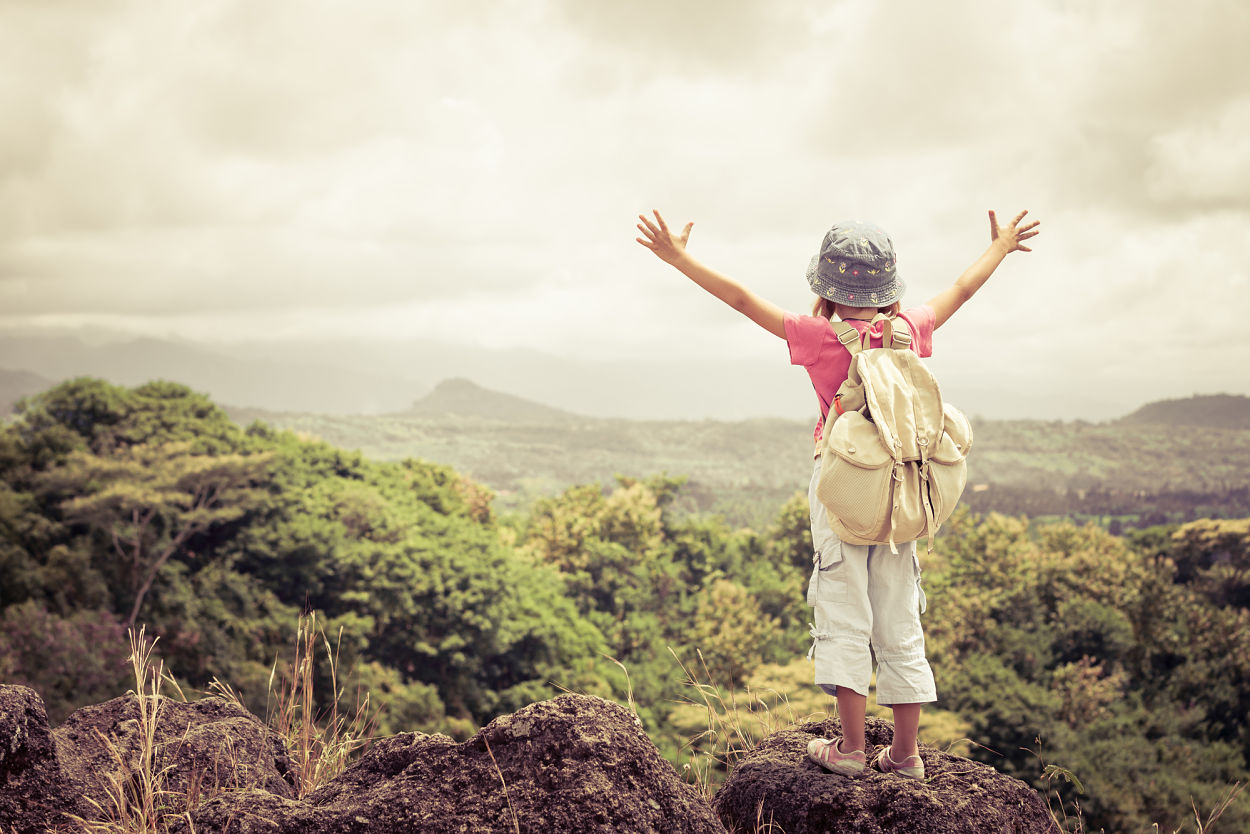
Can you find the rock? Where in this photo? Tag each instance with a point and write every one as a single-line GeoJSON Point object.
{"type": "Point", "coordinates": [25, 738]}
{"type": "Point", "coordinates": [777, 783]}
{"type": "Point", "coordinates": [571, 764]}
{"type": "Point", "coordinates": [211, 743]}
{"type": "Point", "coordinates": [202, 747]}
{"type": "Point", "coordinates": [31, 795]}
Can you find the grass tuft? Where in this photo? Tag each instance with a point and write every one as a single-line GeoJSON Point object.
{"type": "Point", "coordinates": [320, 745]}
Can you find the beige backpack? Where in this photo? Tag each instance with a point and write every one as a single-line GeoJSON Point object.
{"type": "Point", "coordinates": [893, 455]}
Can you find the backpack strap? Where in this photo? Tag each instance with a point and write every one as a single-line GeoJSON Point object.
{"type": "Point", "coordinates": [848, 336]}
{"type": "Point", "coordinates": [892, 336]}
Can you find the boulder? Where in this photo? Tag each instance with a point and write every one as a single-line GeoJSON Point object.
{"type": "Point", "coordinates": [205, 746]}
{"type": "Point", "coordinates": [776, 783]}
{"type": "Point", "coordinates": [31, 790]}
{"type": "Point", "coordinates": [571, 764]}
{"type": "Point", "coordinates": [202, 747]}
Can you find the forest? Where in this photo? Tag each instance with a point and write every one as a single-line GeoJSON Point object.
{"type": "Point", "coordinates": [1122, 661]}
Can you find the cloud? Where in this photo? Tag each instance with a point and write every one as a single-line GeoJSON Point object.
{"type": "Point", "coordinates": [252, 169]}
{"type": "Point", "coordinates": [666, 37]}
{"type": "Point", "coordinates": [1204, 165]}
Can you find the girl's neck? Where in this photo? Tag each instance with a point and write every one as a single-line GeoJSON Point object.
{"type": "Point", "coordinates": [845, 311]}
{"type": "Point", "coordinates": [855, 313]}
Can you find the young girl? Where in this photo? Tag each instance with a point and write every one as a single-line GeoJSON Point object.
{"type": "Point", "coordinates": [863, 595]}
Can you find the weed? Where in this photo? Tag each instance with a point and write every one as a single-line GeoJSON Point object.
{"type": "Point", "coordinates": [319, 745]}
{"type": "Point", "coordinates": [137, 799]}
{"type": "Point", "coordinates": [515, 823]}
{"type": "Point", "coordinates": [1207, 825]}
{"type": "Point", "coordinates": [734, 726]}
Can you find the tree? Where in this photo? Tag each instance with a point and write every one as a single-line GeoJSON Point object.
{"type": "Point", "coordinates": [149, 501]}
{"type": "Point", "coordinates": [730, 631]}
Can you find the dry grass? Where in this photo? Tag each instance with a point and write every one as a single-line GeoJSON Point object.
{"type": "Point", "coordinates": [320, 744]}
{"type": "Point", "coordinates": [516, 825]}
{"type": "Point", "coordinates": [1207, 826]}
{"type": "Point", "coordinates": [137, 798]}
{"type": "Point", "coordinates": [735, 723]}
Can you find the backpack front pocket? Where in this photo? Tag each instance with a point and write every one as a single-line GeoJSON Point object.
{"type": "Point", "coordinates": [856, 478]}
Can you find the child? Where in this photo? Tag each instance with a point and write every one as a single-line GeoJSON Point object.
{"type": "Point", "coordinates": [863, 595]}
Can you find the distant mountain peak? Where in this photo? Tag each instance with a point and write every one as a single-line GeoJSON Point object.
{"type": "Point", "coordinates": [17, 384]}
{"type": "Point", "coordinates": [462, 397]}
{"type": "Point", "coordinates": [1223, 411]}
{"type": "Point", "coordinates": [458, 385]}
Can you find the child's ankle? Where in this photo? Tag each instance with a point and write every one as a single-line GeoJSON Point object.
{"type": "Point", "coordinates": [842, 747]}
{"type": "Point", "coordinates": [899, 759]}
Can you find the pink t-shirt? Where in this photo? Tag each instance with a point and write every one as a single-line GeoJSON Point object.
{"type": "Point", "coordinates": [815, 346]}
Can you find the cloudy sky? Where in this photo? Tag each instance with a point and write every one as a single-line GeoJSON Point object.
{"type": "Point", "coordinates": [469, 173]}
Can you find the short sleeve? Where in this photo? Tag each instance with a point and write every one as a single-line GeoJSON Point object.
{"type": "Point", "coordinates": [804, 335]}
{"type": "Point", "coordinates": [921, 320]}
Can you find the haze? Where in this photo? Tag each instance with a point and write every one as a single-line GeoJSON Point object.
{"type": "Point", "coordinates": [338, 181]}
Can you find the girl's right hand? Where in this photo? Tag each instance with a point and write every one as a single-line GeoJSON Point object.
{"type": "Point", "coordinates": [666, 245]}
{"type": "Point", "coordinates": [1010, 237]}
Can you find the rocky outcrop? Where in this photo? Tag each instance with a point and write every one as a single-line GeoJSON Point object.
{"type": "Point", "coordinates": [203, 747]}
{"type": "Point", "coordinates": [775, 783]}
{"type": "Point", "coordinates": [571, 764]}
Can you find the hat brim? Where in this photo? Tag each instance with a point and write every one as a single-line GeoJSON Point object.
{"type": "Point", "coordinates": [882, 294]}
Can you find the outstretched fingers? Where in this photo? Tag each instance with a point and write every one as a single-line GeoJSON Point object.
{"type": "Point", "coordinates": [660, 220]}
{"type": "Point", "coordinates": [650, 233]}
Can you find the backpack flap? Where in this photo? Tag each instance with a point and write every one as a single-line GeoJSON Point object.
{"type": "Point", "coordinates": [904, 401]}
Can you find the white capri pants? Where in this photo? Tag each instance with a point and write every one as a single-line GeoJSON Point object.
{"type": "Point", "coordinates": [863, 596]}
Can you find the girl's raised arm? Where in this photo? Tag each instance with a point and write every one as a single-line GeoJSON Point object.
{"type": "Point", "coordinates": [1003, 241]}
{"type": "Point", "coordinates": [671, 248]}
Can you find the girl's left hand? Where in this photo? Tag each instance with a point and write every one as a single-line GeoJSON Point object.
{"type": "Point", "coordinates": [1011, 236]}
{"type": "Point", "coordinates": [666, 245]}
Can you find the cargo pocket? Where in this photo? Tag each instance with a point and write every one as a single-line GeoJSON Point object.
{"type": "Point", "coordinates": [828, 582]}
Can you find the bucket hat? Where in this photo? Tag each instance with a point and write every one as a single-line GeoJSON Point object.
{"type": "Point", "coordinates": [856, 266]}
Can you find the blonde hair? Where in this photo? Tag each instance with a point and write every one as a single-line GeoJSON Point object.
{"type": "Point", "coordinates": [829, 309]}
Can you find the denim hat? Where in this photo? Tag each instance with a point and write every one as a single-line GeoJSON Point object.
{"type": "Point", "coordinates": [856, 267]}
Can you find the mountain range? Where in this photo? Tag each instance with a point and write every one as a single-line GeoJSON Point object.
{"type": "Point", "coordinates": [356, 377]}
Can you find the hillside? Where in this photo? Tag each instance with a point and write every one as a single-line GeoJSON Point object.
{"type": "Point", "coordinates": [1224, 411]}
{"type": "Point", "coordinates": [1140, 473]}
{"type": "Point", "coordinates": [294, 383]}
{"type": "Point", "coordinates": [461, 397]}
{"type": "Point", "coordinates": [17, 384]}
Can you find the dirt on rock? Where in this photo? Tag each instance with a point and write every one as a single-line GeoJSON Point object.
{"type": "Point", "coordinates": [776, 784]}
{"type": "Point", "coordinates": [200, 748]}
{"type": "Point", "coordinates": [571, 764]}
